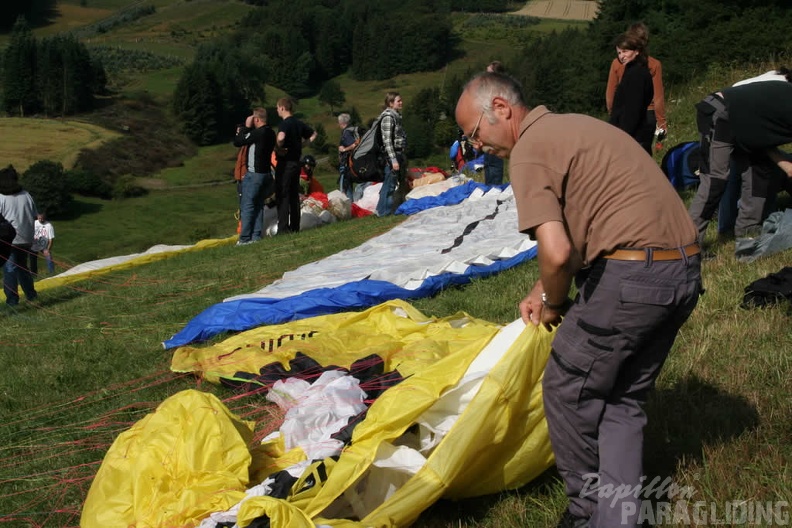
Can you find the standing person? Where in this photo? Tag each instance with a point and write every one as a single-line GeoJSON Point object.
{"type": "Point", "coordinates": [43, 237]}
{"type": "Point", "coordinates": [635, 91]}
{"type": "Point", "coordinates": [394, 142]}
{"type": "Point", "coordinates": [493, 165]}
{"type": "Point", "coordinates": [291, 134]}
{"type": "Point", "coordinates": [17, 206]}
{"type": "Point", "coordinates": [602, 213]}
{"type": "Point", "coordinates": [259, 137]}
{"type": "Point", "coordinates": [350, 138]}
{"type": "Point", "coordinates": [742, 125]}
{"type": "Point", "coordinates": [655, 112]}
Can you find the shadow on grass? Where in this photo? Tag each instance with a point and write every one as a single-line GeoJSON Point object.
{"type": "Point", "coordinates": [79, 208]}
{"type": "Point", "coordinates": [685, 418]}
{"type": "Point", "coordinates": [476, 511]}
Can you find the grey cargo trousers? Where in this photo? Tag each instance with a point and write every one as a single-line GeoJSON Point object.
{"type": "Point", "coordinates": [719, 150]}
{"type": "Point", "coordinates": [606, 356]}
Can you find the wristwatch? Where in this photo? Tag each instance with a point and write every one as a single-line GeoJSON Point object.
{"type": "Point", "coordinates": [561, 306]}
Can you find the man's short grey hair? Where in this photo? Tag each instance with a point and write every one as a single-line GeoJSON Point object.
{"type": "Point", "coordinates": [485, 86]}
{"type": "Point", "coordinates": [343, 119]}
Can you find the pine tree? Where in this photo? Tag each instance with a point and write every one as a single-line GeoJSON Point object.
{"type": "Point", "coordinates": [19, 71]}
{"type": "Point", "coordinates": [50, 85]}
{"type": "Point", "coordinates": [197, 101]}
{"type": "Point", "coordinates": [331, 95]}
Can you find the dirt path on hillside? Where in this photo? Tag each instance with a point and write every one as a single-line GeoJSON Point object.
{"type": "Point", "coordinates": [560, 9]}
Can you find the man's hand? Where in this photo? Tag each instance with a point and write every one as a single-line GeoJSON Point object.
{"type": "Point", "coordinates": [782, 159]}
{"type": "Point", "coordinates": [534, 312]}
{"type": "Point", "coordinates": [249, 121]}
{"type": "Point", "coordinates": [786, 166]}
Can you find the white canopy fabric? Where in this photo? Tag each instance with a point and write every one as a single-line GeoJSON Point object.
{"type": "Point", "coordinates": [476, 232]}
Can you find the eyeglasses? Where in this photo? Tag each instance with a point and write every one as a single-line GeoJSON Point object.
{"type": "Point", "coordinates": [472, 135]}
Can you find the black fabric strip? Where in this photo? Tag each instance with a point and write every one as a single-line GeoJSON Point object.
{"type": "Point", "coordinates": [470, 228]}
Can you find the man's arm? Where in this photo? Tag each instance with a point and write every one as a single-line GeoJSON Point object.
{"type": "Point", "coordinates": [558, 263]}
{"type": "Point", "coordinates": [244, 133]}
{"type": "Point", "coordinates": [659, 96]}
{"type": "Point", "coordinates": [243, 137]}
{"type": "Point", "coordinates": [386, 129]}
{"type": "Point", "coordinates": [50, 235]}
{"type": "Point", "coordinates": [280, 140]}
{"type": "Point", "coordinates": [613, 81]}
{"type": "Point", "coordinates": [781, 159]}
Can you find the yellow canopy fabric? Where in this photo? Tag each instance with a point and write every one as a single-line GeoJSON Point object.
{"type": "Point", "coordinates": [467, 420]}
{"type": "Point", "coordinates": [103, 266]}
{"type": "Point", "coordinates": [173, 468]}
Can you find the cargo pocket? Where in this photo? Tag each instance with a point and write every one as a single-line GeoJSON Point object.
{"type": "Point", "coordinates": [642, 293]}
{"type": "Point", "coordinates": [575, 372]}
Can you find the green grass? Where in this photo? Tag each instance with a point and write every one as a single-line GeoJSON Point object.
{"type": "Point", "coordinates": [112, 5]}
{"type": "Point", "coordinates": [178, 216]}
{"type": "Point", "coordinates": [28, 140]}
{"type": "Point", "coordinates": [85, 362]}
{"type": "Point", "coordinates": [176, 28]}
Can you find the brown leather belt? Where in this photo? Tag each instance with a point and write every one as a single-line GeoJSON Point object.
{"type": "Point", "coordinates": [642, 254]}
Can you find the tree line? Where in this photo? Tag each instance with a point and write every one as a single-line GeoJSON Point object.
{"type": "Point", "coordinates": [568, 69]}
{"type": "Point", "coordinates": [36, 12]}
{"type": "Point", "coordinates": [298, 45]}
{"type": "Point", "coordinates": [56, 76]}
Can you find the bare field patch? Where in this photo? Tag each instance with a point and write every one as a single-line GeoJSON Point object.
{"type": "Point", "coordinates": [560, 9]}
{"type": "Point", "coordinates": [72, 17]}
{"type": "Point", "coordinates": [28, 140]}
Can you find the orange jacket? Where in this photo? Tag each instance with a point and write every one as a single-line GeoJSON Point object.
{"type": "Point", "coordinates": [658, 104]}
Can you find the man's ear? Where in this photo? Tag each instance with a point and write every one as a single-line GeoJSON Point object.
{"type": "Point", "coordinates": [501, 107]}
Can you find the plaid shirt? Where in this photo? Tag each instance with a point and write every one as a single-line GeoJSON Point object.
{"type": "Point", "coordinates": [394, 139]}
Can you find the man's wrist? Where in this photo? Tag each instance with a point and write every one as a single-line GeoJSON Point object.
{"type": "Point", "coordinates": [565, 304]}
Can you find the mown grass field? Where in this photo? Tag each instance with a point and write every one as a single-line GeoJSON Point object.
{"type": "Point", "coordinates": [28, 140]}
{"type": "Point", "coordinates": [85, 362]}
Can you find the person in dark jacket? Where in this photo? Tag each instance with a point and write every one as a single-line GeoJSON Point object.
{"type": "Point", "coordinates": [260, 138]}
{"type": "Point", "coordinates": [635, 91]}
{"type": "Point", "coordinates": [743, 126]}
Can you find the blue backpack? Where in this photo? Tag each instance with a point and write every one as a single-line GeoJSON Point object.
{"type": "Point", "coordinates": [681, 164]}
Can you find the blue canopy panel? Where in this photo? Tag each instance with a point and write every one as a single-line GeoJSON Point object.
{"type": "Point", "coordinates": [249, 313]}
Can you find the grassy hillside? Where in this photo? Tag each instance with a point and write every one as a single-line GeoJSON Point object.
{"type": "Point", "coordinates": [27, 140]}
{"type": "Point", "coordinates": [176, 28]}
{"type": "Point", "coordinates": [85, 362]}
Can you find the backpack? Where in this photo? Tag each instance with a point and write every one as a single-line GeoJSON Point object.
{"type": "Point", "coordinates": [770, 290]}
{"type": "Point", "coordinates": [365, 163]}
{"type": "Point", "coordinates": [681, 164]}
{"type": "Point", "coordinates": [241, 163]}
{"type": "Point", "coordinates": [7, 236]}
{"type": "Point", "coordinates": [357, 131]}
{"type": "Point", "coordinates": [462, 152]}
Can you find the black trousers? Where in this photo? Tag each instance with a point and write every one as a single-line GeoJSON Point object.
{"type": "Point", "coordinates": [287, 195]}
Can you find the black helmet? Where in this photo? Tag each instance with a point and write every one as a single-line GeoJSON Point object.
{"type": "Point", "coordinates": [309, 160]}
